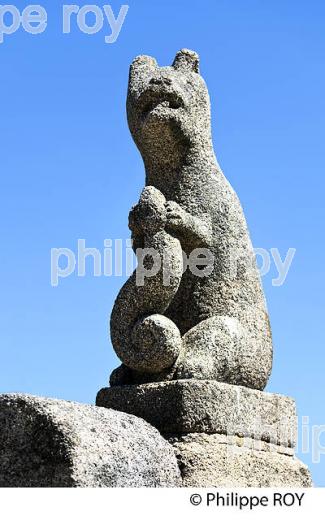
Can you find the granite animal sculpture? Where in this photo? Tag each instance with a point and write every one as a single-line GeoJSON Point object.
{"type": "Point", "coordinates": [214, 326]}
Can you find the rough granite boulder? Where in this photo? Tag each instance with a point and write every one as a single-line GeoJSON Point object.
{"type": "Point", "coordinates": [231, 461]}
{"type": "Point", "coordinates": [223, 435]}
{"type": "Point", "coordinates": [53, 443]}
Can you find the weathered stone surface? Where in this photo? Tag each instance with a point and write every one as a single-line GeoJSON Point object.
{"type": "Point", "coordinates": [194, 337]}
{"type": "Point", "coordinates": [221, 461]}
{"type": "Point", "coordinates": [186, 406]}
{"type": "Point", "coordinates": [203, 323]}
{"type": "Point", "coordinates": [52, 443]}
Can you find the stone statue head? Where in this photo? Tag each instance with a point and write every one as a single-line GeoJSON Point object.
{"type": "Point", "coordinates": [168, 108]}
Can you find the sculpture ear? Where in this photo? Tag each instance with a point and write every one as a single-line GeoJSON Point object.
{"type": "Point", "coordinates": [144, 61]}
{"type": "Point", "coordinates": [141, 66]}
{"type": "Point", "coordinates": [187, 60]}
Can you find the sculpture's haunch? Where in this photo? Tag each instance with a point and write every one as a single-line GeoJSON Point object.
{"type": "Point", "coordinates": [144, 339]}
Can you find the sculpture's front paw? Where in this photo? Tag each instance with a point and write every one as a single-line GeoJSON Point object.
{"type": "Point", "coordinates": [176, 216]}
{"type": "Point", "coordinates": [149, 215]}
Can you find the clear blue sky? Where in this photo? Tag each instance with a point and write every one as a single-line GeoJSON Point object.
{"type": "Point", "coordinates": [70, 170]}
